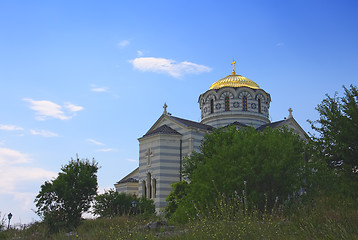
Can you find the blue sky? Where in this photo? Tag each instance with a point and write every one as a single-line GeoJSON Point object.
{"type": "Point", "coordinates": [91, 77]}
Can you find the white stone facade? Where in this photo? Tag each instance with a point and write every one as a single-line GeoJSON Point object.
{"type": "Point", "coordinates": [161, 155]}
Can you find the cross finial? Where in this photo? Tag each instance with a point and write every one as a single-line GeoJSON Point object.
{"type": "Point", "coordinates": [165, 108]}
{"type": "Point", "coordinates": [290, 113]}
{"type": "Point", "coordinates": [233, 67]}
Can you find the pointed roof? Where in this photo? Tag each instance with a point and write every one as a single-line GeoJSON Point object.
{"type": "Point", "coordinates": [193, 124]}
{"type": "Point", "coordinates": [132, 175]}
{"type": "Point", "coordinates": [238, 124]}
{"type": "Point", "coordinates": [290, 122]}
{"type": "Point", "coordinates": [128, 180]}
{"type": "Point", "coordinates": [271, 125]}
{"type": "Point", "coordinates": [164, 129]}
{"type": "Point", "coordinates": [182, 122]}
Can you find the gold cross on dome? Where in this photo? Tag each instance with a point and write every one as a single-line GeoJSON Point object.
{"type": "Point", "coordinates": [233, 67]}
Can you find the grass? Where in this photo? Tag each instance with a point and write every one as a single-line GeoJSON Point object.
{"type": "Point", "coordinates": [321, 218]}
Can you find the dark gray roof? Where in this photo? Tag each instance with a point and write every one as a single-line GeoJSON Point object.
{"type": "Point", "coordinates": [189, 123]}
{"type": "Point", "coordinates": [128, 180]}
{"type": "Point", "coordinates": [271, 125]}
{"type": "Point", "coordinates": [164, 129]}
{"type": "Point", "coordinates": [238, 124]}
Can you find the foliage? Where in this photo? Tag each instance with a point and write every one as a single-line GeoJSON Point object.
{"type": "Point", "coordinates": [269, 165]}
{"type": "Point", "coordinates": [112, 203]}
{"type": "Point", "coordinates": [62, 201]}
{"type": "Point", "coordinates": [337, 143]}
{"type": "Point", "coordinates": [321, 218]}
{"type": "Point", "coordinates": [2, 222]}
{"type": "Point", "coordinates": [145, 206]}
{"type": "Point", "coordinates": [179, 191]}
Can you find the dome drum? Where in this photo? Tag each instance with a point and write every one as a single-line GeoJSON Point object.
{"type": "Point", "coordinates": [234, 98]}
{"type": "Point", "coordinates": [244, 104]}
{"type": "Point", "coordinates": [239, 103]}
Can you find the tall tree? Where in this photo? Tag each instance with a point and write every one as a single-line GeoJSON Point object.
{"type": "Point", "coordinates": [62, 201]}
{"type": "Point", "coordinates": [337, 142]}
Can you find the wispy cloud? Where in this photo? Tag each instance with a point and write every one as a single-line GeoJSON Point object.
{"type": "Point", "coordinates": [72, 108]}
{"type": "Point", "coordinates": [106, 150]}
{"type": "Point", "coordinates": [10, 157]}
{"type": "Point", "coordinates": [168, 66]}
{"type": "Point", "coordinates": [10, 127]}
{"type": "Point", "coordinates": [95, 142]}
{"type": "Point", "coordinates": [14, 172]}
{"type": "Point", "coordinates": [131, 160]}
{"type": "Point", "coordinates": [280, 44]}
{"type": "Point", "coordinates": [139, 53]}
{"type": "Point", "coordinates": [43, 133]}
{"type": "Point", "coordinates": [123, 43]}
{"type": "Point", "coordinates": [94, 88]}
{"type": "Point", "coordinates": [45, 109]}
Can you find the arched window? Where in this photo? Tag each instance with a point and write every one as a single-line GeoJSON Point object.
{"type": "Point", "coordinates": [227, 104]}
{"type": "Point", "coordinates": [144, 189]}
{"type": "Point", "coordinates": [149, 187]}
{"type": "Point", "coordinates": [212, 106]}
{"type": "Point", "coordinates": [259, 103]}
{"type": "Point", "coordinates": [154, 187]}
{"type": "Point", "coordinates": [244, 103]}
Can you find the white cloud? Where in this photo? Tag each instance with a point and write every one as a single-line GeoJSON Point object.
{"type": "Point", "coordinates": [94, 88]}
{"type": "Point", "coordinates": [95, 142]}
{"type": "Point", "coordinates": [72, 108]}
{"type": "Point", "coordinates": [10, 127]}
{"type": "Point", "coordinates": [106, 150]}
{"type": "Point", "coordinates": [25, 198]}
{"type": "Point", "coordinates": [45, 109]}
{"type": "Point", "coordinates": [43, 133]}
{"type": "Point", "coordinates": [99, 89]}
{"type": "Point", "coordinates": [171, 67]}
{"type": "Point", "coordinates": [131, 160]}
{"type": "Point", "coordinates": [139, 53]}
{"type": "Point", "coordinates": [9, 156]}
{"type": "Point", "coordinates": [14, 172]}
{"type": "Point", "coordinates": [123, 43]}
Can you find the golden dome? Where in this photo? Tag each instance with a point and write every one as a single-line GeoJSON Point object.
{"type": "Point", "coordinates": [234, 81]}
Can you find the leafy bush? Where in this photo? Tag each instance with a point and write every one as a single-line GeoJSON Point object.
{"type": "Point", "coordinates": [179, 191]}
{"type": "Point", "coordinates": [112, 203]}
{"type": "Point", "coordinates": [268, 166]}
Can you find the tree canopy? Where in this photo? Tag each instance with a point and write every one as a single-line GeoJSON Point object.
{"type": "Point", "coordinates": [269, 166]}
{"type": "Point", "coordinates": [62, 201]}
{"type": "Point", "coordinates": [337, 142]}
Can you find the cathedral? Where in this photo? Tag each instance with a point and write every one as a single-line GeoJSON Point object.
{"type": "Point", "coordinates": [233, 99]}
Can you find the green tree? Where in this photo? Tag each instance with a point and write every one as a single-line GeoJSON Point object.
{"type": "Point", "coordinates": [179, 191]}
{"type": "Point", "coordinates": [269, 166]}
{"type": "Point", "coordinates": [337, 142]}
{"type": "Point", "coordinates": [62, 201]}
{"type": "Point", "coordinates": [112, 203]}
